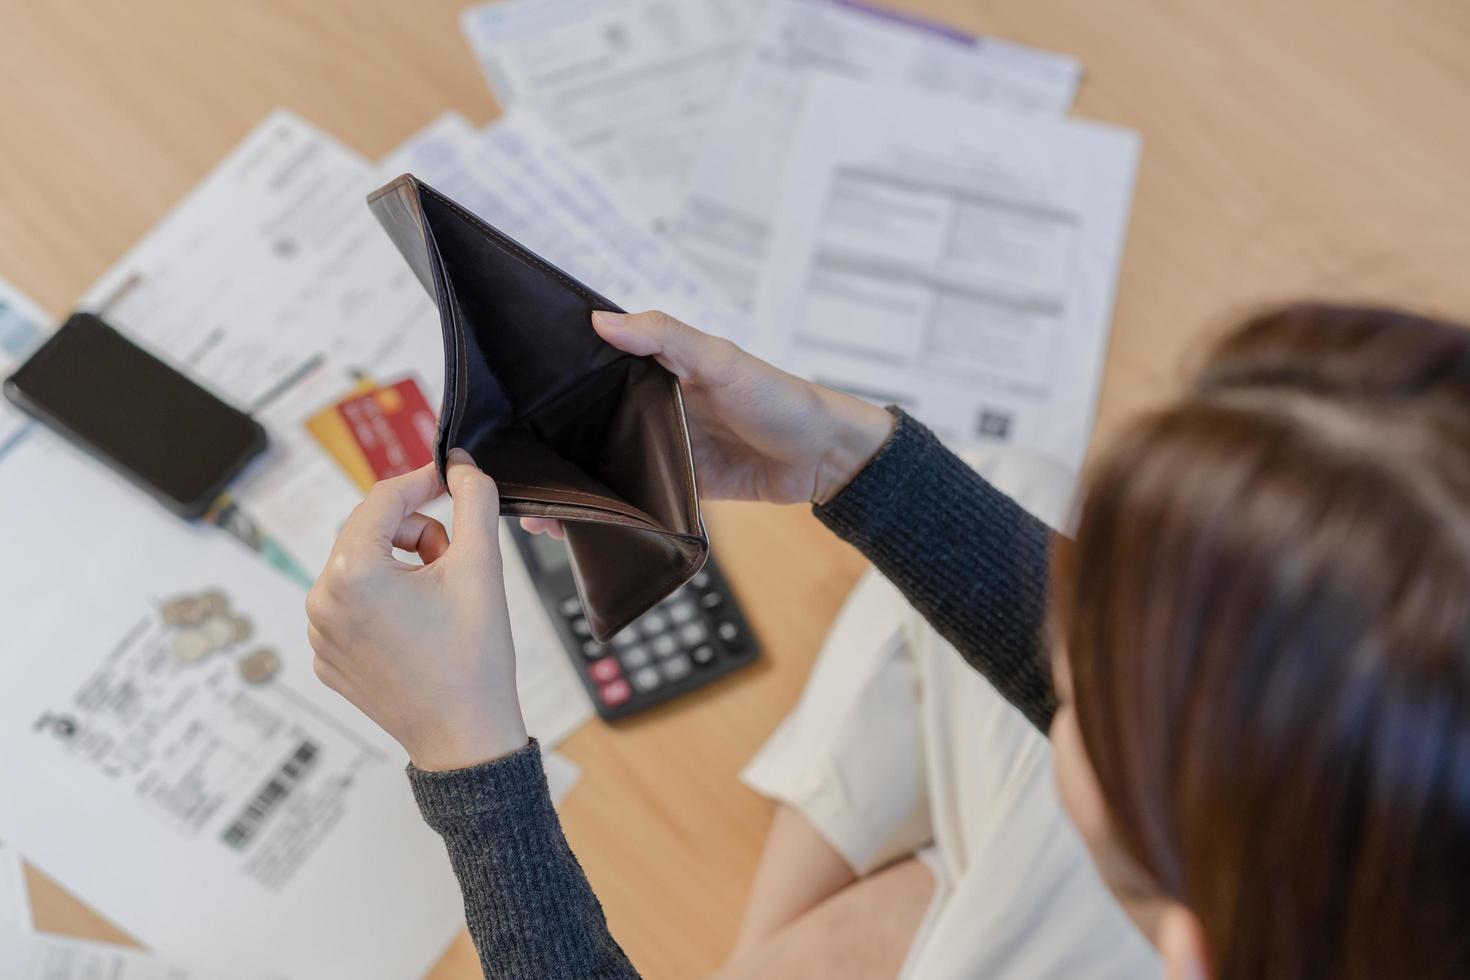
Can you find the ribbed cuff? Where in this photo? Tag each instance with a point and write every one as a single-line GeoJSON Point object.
{"type": "Point", "coordinates": [503, 787]}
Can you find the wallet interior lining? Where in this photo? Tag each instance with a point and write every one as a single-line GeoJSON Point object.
{"type": "Point", "coordinates": [537, 430]}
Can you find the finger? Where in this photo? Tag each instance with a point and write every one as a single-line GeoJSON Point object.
{"type": "Point", "coordinates": [689, 353]}
{"type": "Point", "coordinates": [318, 642]}
{"type": "Point", "coordinates": [476, 506]}
{"type": "Point", "coordinates": [377, 519]}
{"type": "Point", "coordinates": [422, 535]}
{"type": "Point", "coordinates": [549, 526]}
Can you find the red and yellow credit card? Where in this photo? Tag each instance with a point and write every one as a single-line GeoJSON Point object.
{"type": "Point", "coordinates": [378, 431]}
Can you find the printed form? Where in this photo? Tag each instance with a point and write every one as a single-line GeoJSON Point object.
{"type": "Point", "coordinates": [726, 219]}
{"type": "Point", "coordinates": [217, 813]}
{"type": "Point", "coordinates": [957, 260]}
{"type": "Point", "coordinates": [629, 84]}
{"type": "Point", "coordinates": [520, 177]}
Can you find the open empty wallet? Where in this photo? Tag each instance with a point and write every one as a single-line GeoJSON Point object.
{"type": "Point", "coordinates": [567, 425]}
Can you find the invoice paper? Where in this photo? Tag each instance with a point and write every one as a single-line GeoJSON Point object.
{"type": "Point", "coordinates": [273, 260]}
{"type": "Point", "coordinates": [30, 956]}
{"type": "Point", "coordinates": [956, 260]}
{"type": "Point", "coordinates": [523, 179]}
{"type": "Point", "coordinates": [725, 221]}
{"type": "Point", "coordinates": [629, 84]}
{"type": "Point", "coordinates": [202, 789]}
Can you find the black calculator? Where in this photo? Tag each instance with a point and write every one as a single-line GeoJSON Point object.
{"type": "Point", "coordinates": [695, 636]}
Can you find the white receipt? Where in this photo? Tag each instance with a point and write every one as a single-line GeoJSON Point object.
{"type": "Point", "coordinates": [265, 826]}
{"type": "Point", "coordinates": [726, 219]}
{"type": "Point", "coordinates": [629, 84]}
{"type": "Point", "coordinates": [957, 260]}
{"type": "Point", "coordinates": [523, 179]}
{"type": "Point", "coordinates": [30, 956]}
{"type": "Point", "coordinates": [15, 901]}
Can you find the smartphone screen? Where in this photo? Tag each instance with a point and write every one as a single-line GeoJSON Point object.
{"type": "Point", "coordinates": [127, 407]}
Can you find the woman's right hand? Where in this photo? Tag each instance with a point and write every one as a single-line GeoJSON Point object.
{"type": "Point", "coordinates": [757, 432]}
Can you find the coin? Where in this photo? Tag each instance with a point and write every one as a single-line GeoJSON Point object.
{"type": "Point", "coordinates": [215, 603]}
{"type": "Point", "coordinates": [220, 630]}
{"type": "Point", "coordinates": [260, 666]}
{"type": "Point", "coordinates": [190, 646]}
{"type": "Point", "coordinates": [185, 610]}
{"type": "Point", "coordinates": [243, 628]}
{"type": "Point", "coordinates": [177, 611]}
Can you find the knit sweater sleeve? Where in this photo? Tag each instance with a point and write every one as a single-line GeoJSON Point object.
{"type": "Point", "coordinates": [530, 910]}
{"type": "Point", "coordinates": [972, 561]}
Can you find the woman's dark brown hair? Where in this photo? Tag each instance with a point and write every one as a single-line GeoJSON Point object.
{"type": "Point", "coordinates": [1267, 618]}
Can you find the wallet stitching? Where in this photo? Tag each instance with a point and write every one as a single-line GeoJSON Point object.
{"type": "Point", "coordinates": [583, 495]}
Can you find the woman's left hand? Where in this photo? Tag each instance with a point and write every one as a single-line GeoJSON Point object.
{"type": "Point", "coordinates": [423, 650]}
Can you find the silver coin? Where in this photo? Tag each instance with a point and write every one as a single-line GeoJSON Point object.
{"type": "Point", "coordinates": [220, 630]}
{"type": "Point", "coordinates": [190, 646]}
{"type": "Point", "coordinates": [215, 603]}
{"type": "Point", "coordinates": [243, 628]}
{"type": "Point", "coordinates": [259, 666]}
{"type": "Point", "coordinates": [178, 611]}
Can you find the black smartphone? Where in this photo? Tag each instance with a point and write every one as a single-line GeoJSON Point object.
{"type": "Point", "coordinates": [149, 422]}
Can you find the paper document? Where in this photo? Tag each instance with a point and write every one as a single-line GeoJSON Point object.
{"type": "Point", "coordinates": [22, 328]}
{"type": "Point", "coordinates": [272, 260]}
{"type": "Point", "coordinates": [520, 177]}
{"type": "Point", "coordinates": [956, 260]}
{"type": "Point", "coordinates": [629, 84]}
{"type": "Point", "coordinates": [15, 901]}
{"type": "Point", "coordinates": [270, 284]}
{"type": "Point", "coordinates": [171, 757]}
{"type": "Point", "coordinates": [29, 956]}
{"type": "Point", "coordinates": [726, 219]}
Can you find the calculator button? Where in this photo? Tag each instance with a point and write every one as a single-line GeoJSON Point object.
{"type": "Point", "coordinates": [653, 623]}
{"type": "Point", "coordinates": [591, 649]}
{"type": "Point", "coordinates": [625, 638]}
{"type": "Point", "coordinates": [664, 645]}
{"type": "Point", "coordinates": [635, 657]}
{"type": "Point", "coordinates": [646, 680]}
{"type": "Point", "coordinates": [728, 632]}
{"type": "Point", "coordinates": [580, 627]}
{"type": "Point", "coordinates": [677, 668]}
{"type": "Point", "coordinates": [711, 600]}
{"type": "Point", "coordinates": [682, 611]}
{"type": "Point", "coordinates": [693, 634]}
{"type": "Point", "coordinates": [616, 693]}
{"type": "Point", "coordinates": [703, 656]}
{"type": "Point", "coordinates": [605, 670]}
{"type": "Point", "coordinates": [571, 607]}
{"type": "Point", "coordinates": [700, 580]}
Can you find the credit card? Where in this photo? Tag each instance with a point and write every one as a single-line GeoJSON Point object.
{"type": "Point", "coordinates": [378, 432]}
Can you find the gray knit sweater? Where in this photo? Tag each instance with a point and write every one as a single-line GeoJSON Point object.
{"type": "Point", "coordinates": [966, 556]}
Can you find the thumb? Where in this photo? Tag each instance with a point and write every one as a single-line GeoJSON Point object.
{"type": "Point", "coordinates": [476, 505]}
{"type": "Point", "coordinates": [690, 354]}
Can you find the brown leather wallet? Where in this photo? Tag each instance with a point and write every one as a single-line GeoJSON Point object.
{"type": "Point", "coordinates": [569, 426]}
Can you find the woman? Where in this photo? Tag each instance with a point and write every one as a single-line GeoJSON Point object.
{"type": "Point", "coordinates": [1261, 642]}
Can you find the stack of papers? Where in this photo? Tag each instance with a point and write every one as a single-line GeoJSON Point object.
{"type": "Point", "coordinates": [877, 202]}
{"type": "Point", "coordinates": [888, 205]}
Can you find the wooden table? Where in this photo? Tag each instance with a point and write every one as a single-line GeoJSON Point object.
{"type": "Point", "coordinates": [1305, 148]}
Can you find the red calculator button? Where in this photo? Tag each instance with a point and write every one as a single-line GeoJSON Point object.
{"type": "Point", "coordinates": [616, 693]}
{"type": "Point", "coordinates": [605, 671]}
